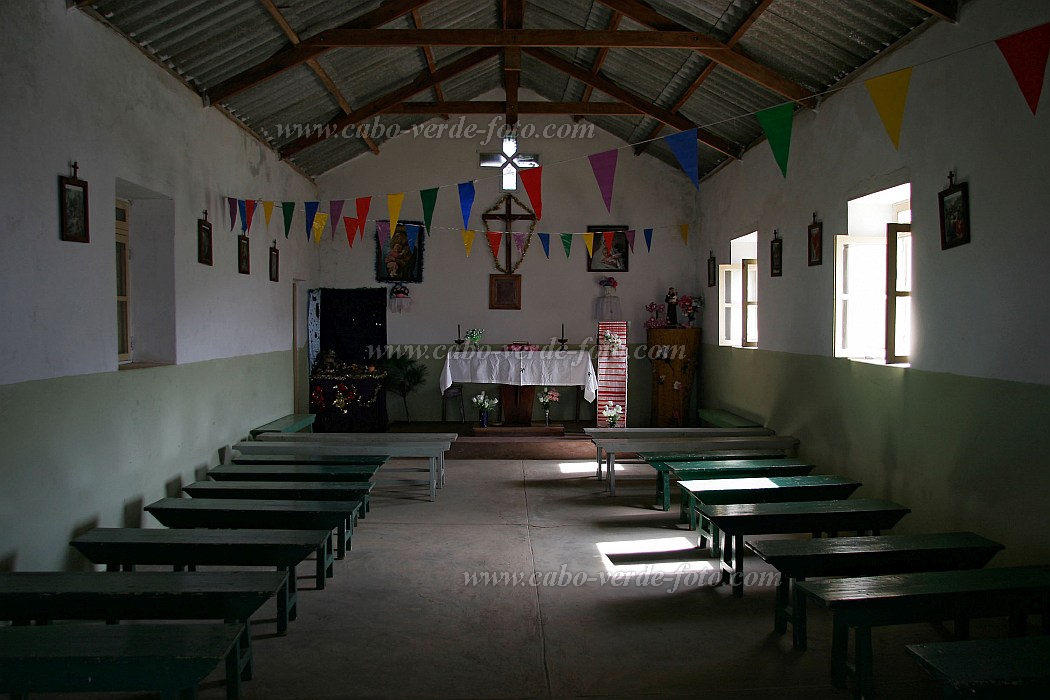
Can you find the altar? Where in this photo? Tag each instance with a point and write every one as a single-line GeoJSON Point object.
{"type": "Point", "coordinates": [519, 373]}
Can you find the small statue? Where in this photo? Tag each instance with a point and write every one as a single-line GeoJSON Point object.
{"type": "Point", "coordinates": [672, 307]}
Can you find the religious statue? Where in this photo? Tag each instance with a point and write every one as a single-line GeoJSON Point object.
{"type": "Point", "coordinates": [672, 307]}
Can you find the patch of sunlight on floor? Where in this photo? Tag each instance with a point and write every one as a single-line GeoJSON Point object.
{"type": "Point", "coordinates": [587, 467]}
{"type": "Point", "coordinates": [667, 555]}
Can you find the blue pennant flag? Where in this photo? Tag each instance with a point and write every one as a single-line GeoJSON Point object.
{"type": "Point", "coordinates": [242, 207]}
{"type": "Point", "coordinates": [648, 238]}
{"type": "Point", "coordinates": [683, 145]}
{"type": "Point", "coordinates": [412, 231]}
{"type": "Point", "coordinates": [466, 201]}
{"type": "Point", "coordinates": [545, 239]}
{"type": "Point", "coordinates": [311, 213]}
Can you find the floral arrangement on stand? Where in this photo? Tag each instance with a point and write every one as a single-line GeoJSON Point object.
{"type": "Point", "coordinates": [691, 306]}
{"type": "Point", "coordinates": [484, 404]}
{"type": "Point", "coordinates": [473, 335]}
{"type": "Point", "coordinates": [654, 320]}
{"type": "Point", "coordinates": [521, 347]}
{"type": "Point", "coordinates": [612, 413]}
{"type": "Point", "coordinates": [546, 398]}
{"type": "Point", "coordinates": [611, 342]}
{"type": "Point", "coordinates": [608, 285]}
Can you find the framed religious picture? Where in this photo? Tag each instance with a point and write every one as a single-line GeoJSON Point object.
{"type": "Point", "coordinates": [399, 253]}
{"type": "Point", "coordinates": [608, 253]}
{"type": "Point", "coordinates": [204, 241]}
{"type": "Point", "coordinates": [73, 209]}
{"type": "Point", "coordinates": [955, 215]}
{"type": "Point", "coordinates": [244, 261]}
{"type": "Point", "coordinates": [712, 270]}
{"type": "Point", "coordinates": [275, 263]}
{"type": "Point", "coordinates": [815, 243]}
{"type": "Point", "coordinates": [776, 256]}
{"type": "Point", "coordinates": [505, 292]}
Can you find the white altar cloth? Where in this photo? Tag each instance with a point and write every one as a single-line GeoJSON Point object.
{"type": "Point", "coordinates": [535, 368]}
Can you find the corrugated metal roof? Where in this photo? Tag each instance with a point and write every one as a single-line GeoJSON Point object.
{"type": "Point", "coordinates": [814, 43]}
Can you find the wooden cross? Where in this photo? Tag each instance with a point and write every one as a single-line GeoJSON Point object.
{"type": "Point", "coordinates": [507, 217]}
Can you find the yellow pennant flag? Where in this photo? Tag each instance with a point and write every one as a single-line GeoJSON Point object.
{"type": "Point", "coordinates": [468, 240]}
{"type": "Point", "coordinates": [393, 204]}
{"type": "Point", "coordinates": [588, 240]}
{"type": "Point", "coordinates": [889, 93]}
{"type": "Point", "coordinates": [267, 211]}
{"type": "Point", "coordinates": [320, 221]}
{"type": "Point", "coordinates": [685, 233]}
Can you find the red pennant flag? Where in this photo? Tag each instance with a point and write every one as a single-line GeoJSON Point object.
{"type": "Point", "coordinates": [532, 178]}
{"type": "Point", "coordinates": [1026, 52]}
{"type": "Point", "coordinates": [249, 209]}
{"type": "Point", "coordinates": [494, 240]}
{"type": "Point", "coordinates": [362, 213]}
{"type": "Point", "coordinates": [350, 224]}
{"type": "Point", "coordinates": [608, 237]}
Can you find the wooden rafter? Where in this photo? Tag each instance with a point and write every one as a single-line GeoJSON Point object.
{"type": "Point", "coordinates": [428, 56]}
{"type": "Point", "coordinates": [716, 51]}
{"type": "Point", "coordinates": [654, 39]}
{"type": "Point", "coordinates": [524, 107]}
{"type": "Point", "coordinates": [293, 55]}
{"type": "Point", "coordinates": [948, 10]}
{"type": "Point", "coordinates": [614, 22]}
{"type": "Point", "coordinates": [706, 72]}
{"type": "Point", "coordinates": [423, 81]}
{"type": "Point", "coordinates": [319, 71]}
{"type": "Point", "coordinates": [600, 82]}
{"type": "Point", "coordinates": [513, 20]}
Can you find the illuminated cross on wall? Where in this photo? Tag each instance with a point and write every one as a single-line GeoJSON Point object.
{"type": "Point", "coordinates": [510, 161]}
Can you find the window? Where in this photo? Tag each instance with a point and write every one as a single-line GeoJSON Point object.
{"type": "Point", "coordinates": [122, 229]}
{"type": "Point", "coordinates": [510, 161]}
{"type": "Point", "coordinates": [873, 258]}
{"type": "Point", "coordinates": [738, 294]}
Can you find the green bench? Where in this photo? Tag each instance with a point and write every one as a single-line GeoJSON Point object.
{"type": "Point", "coordinates": [666, 433]}
{"type": "Point", "coordinates": [294, 472]}
{"type": "Point", "coordinates": [124, 548]}
{"type": "Point", "coordinates": [236, 513]}
{"type": "Point", "coordinates": [346, 460]}
{"type": "Point", "coordinates": [1015, 667]}
{"type": "Point", "coordinates": [860, 515]}
{"type": "Point", "coordinates": [713, 466]}
{"type": "Point", "coordinates": [232, 596]}
{"type": "Point", "coordinates": [169, 658]}
{"type": "Point", "coordinates": [798, 560]}
{"type": "Point", "coordinates": [724, 419]}
{"type": "Point", "coordinates": [870, 601]}
{"type": "Point", "coordinates": [757, 489]}
{"type": "Point", "coordinates": [287, 490]}
{"type": "Point", "coordinates": [293, 423]}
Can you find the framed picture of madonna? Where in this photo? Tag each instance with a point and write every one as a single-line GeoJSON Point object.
{"type": "Point", "coordinates": [399, 253]}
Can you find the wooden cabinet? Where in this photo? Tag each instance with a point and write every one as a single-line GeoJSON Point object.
{"type": "Point", "coordinates": [675, 355]}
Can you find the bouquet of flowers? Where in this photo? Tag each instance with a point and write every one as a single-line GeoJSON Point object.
{"type": "Point", "coordinates": [609, 282]}
{"type": "Point", "coordinates": [612, 413]}
{"type": "Point", "coordinates": [548, 396]}
{"type": "Point", "coordinates": [521, 347]}
{"type": "Point", "coordinates": [474, 335]}
{"type": "Point", "coordinates": [611, 342]}
{"type": "Point", "coordinates": [691, 306]}
{"type": "Point", "coordinates": [485, 403]}
{"type": "Point", "coordinates": [654, 320]}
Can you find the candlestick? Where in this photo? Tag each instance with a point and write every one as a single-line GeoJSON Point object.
{"type": "Point", "coordinates": [458, 334]}
{"type": "Point", "coordinates": [563, 330]}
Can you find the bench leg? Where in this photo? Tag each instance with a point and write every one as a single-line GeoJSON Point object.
{"type": "Point", "coordinates": [839, 650]}
{"type": "Point", "coordinates": [233, 675]}
{"type": "Point", "coordinates": [716, 548]}
{"type": "Point", "coordinates": [244, 652]}
{"type": "Point", "coordinates": [291, 598]}
{"type": "Point", "coordinates": [342, 535]}
{"type": "Point", "coordinates": [865, 673]}
{"type": "Point", "coordinates": [738, 565]}
{"type": "Point", "coordinates": [799, 631]}
{"type": "Point", "coordinates": [322, 562]}
{"type": "Point", "coordinates": [282, 606]}
{"type": "Point", "coordinates": [433, 478]}
{"type": "Point", "coordinates": [783, 603]}
{"type": "Point", "coordinates": [665, 483]}
{"type": "Point", "coordinates": [610, 471]}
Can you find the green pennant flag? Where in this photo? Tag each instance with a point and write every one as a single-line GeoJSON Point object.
{"type": "Point", "coordinates": [566, 242]}
{"type": "Point", "coordinates": [288, 208]}
{"type": "Point", "coordinates": [776, 122]}
{"type": "Point", "coordinates": [429, 198]}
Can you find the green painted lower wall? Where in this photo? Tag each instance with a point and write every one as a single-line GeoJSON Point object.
{"type": "Point", "coordinates": [91, 450]}
{"type": "Point", "coordinates": [963, 453]}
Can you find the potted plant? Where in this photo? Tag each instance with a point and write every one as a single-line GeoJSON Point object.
{"type": "Point", "coordinates": [403, 376]}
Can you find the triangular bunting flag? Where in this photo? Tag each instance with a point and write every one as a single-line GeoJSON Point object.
{"type": "Point", "coordinates": [630, 239]}
{"type": "Point", "coordinates": [320, 221]}
{"type": "Point", "coordinates": [648, 233]}
{"type": "Point", "coordinates": [288, 209]}
{"type": "Point", "coordinates": [566, 243]}
{"type": "Point", "coordinates": [466, 201]}
{"type": "Point", "coordinates": [889, 93]}
{"type": "Point", "coordinates": [242, 209]}
{"type": "Point", "coordinates": [233, 211]}
{"type": "Point", "coordinates": [335, 207]}
{"type": "Point", "coordinates": [532, 179]}
{"type": "Point", "coordinates": [363, 203]}
{"type": "Point", "coordinates": [412, 233]}
{"type": "Point", "coordinates": [249, 209]}
{"type": "Point", "coordinates": [494, 240]}
{"type": "Point", "coordinates": [604, 167]}
{"type": "Point", "coordinates": [607, 238]}
{"type": "Point", "coordinates": [519, 240]}
{"type": "Point", "coordinates": [393, 205]}
{"type": "Point", "coordinates": [588, 240]}
{"type": "Point", "coordinates": [776, 122]}
{"type": "Point", "coordinates": [267, 212]}
{"type": "Point", "coordinates": [311, 212]}
{"type": "Point", "coordinates": [1026, 52]}
{"type": "Point", "coordinates": [382, 233]}
{"type": "Point", "coordinates": [429, 199]}
{"type": "Point", "coordinates": [684, 228]}
{"type": "Point", "coordinates": [684, 146]}
{"type": "Point", "coordinates": [350, 224]}
{"type": "Point", "coordinates": [545, 241]}
{"type": "Point", "coordinates": [468, 240]}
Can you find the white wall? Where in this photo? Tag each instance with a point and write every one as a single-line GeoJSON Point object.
{"type": "Point", "coordinates": [73, 90]}
{"type": "Point", "coordinates": [454, 290]}
{"type": "Point", "coordinates": [979, 307]}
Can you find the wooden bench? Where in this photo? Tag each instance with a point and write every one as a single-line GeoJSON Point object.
{"type": "Point", "coordinates": [294, 472]}
{"type": "Point", "coordinates": [169, 658]}
{"type": "Point", "coordinates": [124, 548]}
{"type": "Point", "coordinates": [286, 490]}
{"type": "Point", "coordinates": [236, 513]}
{"type": "Point", "coordinates": [231, 596]}
{"type": "Point", "coordinates": [757, 489]}
{"type": "Point", "coordinates": [861, 515]}
{"type": "Point", "coordinates": [871, 601]}
{"type": "Point", "coordinates": [716, 469]}
{"type": "Point", "coordinates": [293, 423]}
{"type": "Point", "coordinates": [1015, 667]}
{"type": "Point", "coordinates": [765, 445]}
{"type": "Point", "coordinates": [723, 419]}
{"type": "Point", "coordinates": [345, 461]}
{"type": "Point", "coordinates": [798, 560]}
{"type": "Point", "coordinates": [667, 433]}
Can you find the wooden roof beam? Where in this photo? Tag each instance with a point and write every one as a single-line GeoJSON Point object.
{"type": "Point", "coordinates": [428, 56]}
{"type": "Point", "coordinates": [654, 39]}
{"type": "Point", "coordinates": [603, 53]}
{"type": "Point", "coordinates": [948, 10]}
{"type": "Point", "coordinates": [513, 20]}
{"type": "Point", "coordinates": [524, 107]}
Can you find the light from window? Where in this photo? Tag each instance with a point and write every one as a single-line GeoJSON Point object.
{"type": "Point", "coordinates": [738, 294]}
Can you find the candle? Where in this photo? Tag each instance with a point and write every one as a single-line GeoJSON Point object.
{"type": "Point", "coordinates": [458, 334]}
{"type": "Point", "coordinates": [562, 331]}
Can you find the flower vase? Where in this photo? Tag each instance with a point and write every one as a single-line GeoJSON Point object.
{"type": "Point", "coordinates": [546, 417]}
{"type": "Point", "coordinates": [608, 291]}
{"type": "Point", "coordinates": [612, 422]}
{"type": "Point", "coordinates": [483, 419]}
